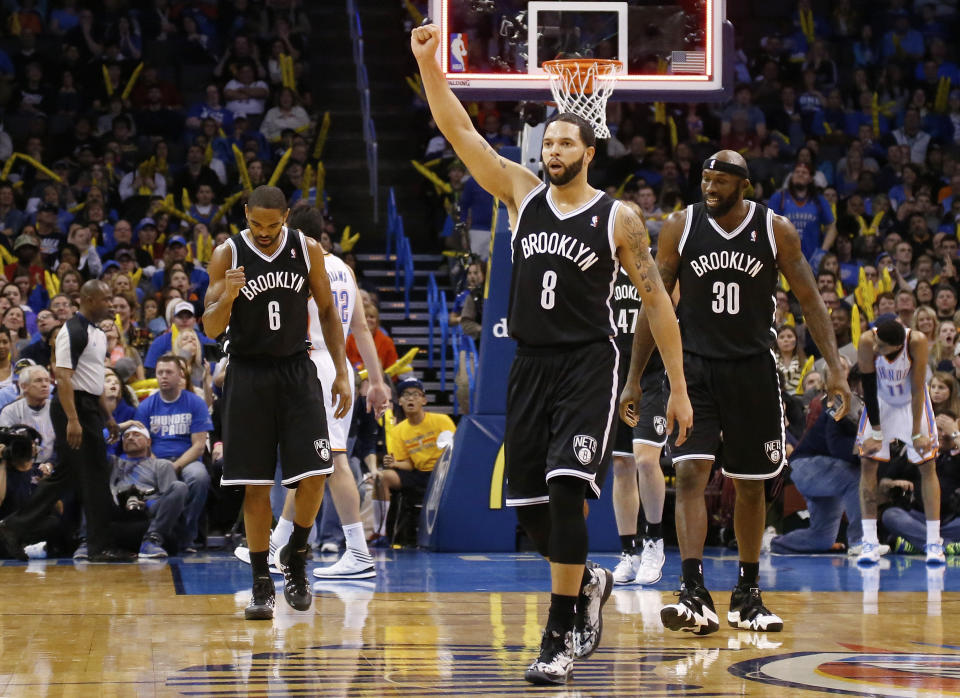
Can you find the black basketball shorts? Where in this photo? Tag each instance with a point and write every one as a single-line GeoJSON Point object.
{"type": "Point", "coordinates": [651, 429]}
{"type": "Point", "coordinates": [736, 402]}
{"type": "Point", "coordinates": [561, 404]}
{"type": "Point", "coordinates": [272, 405]}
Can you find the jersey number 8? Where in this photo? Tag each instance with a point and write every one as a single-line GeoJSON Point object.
{"type": "Point", "coordinates": [547, 296]}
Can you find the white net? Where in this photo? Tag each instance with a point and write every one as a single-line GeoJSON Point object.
{"type": "Point", "coordinates": [582, 86]}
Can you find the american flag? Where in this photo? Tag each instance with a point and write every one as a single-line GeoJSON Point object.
{"type": "Point", "coordinates": [688, 62]}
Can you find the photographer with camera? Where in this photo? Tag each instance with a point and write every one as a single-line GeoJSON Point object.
{"type": "Point", "coordinates": [826, 470]}
{"type": "Point", "coordinates": [146, 490]}
{"type": "Point", "coordinates": [20, 473]}
{"type": "Point", "coordinates": [33, 409]}
{"type": "Point", "coordinates": [903, 517]}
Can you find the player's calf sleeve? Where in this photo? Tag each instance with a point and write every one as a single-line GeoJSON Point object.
{"type": "Point", "coordinates": [568, 528]}
{"type": "Point", "coordinates": [535, 520]}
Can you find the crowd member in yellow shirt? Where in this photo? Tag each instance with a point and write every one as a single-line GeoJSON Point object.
{"type": "Point", "coordinates": [412, 449]}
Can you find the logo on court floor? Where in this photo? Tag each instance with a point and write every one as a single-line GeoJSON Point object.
{"type": "Point", "coordinates": [774, 451]}
{"type": "Point", "coordinates": [322, 447]}
{"type": "Point", "coordinates": [585, 447]}
{"type": "Point", "coordinates": [660, 425]}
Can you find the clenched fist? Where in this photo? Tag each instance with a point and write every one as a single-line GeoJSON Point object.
{"type": "Point", "coordinates": [234, 280]}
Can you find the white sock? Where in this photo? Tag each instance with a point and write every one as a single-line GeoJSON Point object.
{"type": "Point", "coordinates": [380, 510]}
{"type": "Point", "coordinates": [870, 531]}
{"type": "Point", "coordinates": [281, 534]}
{"type": "Point", "coordinates": [933, 531]}
{"type": "Point", "coordinates": [355, 539]}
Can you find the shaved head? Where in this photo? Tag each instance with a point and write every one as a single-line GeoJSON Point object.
{"type": "Point", "coordinates": [93, 288]}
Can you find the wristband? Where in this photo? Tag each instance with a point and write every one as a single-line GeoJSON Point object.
{"type": "Point", "coordinates": [876, 434]}
{"type": "Point", "coordinates": [218, 443]}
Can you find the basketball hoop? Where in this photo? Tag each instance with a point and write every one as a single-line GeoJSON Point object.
{"type": "Point", "coordinates": [582, 86]}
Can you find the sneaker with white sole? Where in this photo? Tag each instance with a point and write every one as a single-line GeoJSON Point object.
{"type": "Point", "coordinates": [37, 551]}
{"type": "Point", "coordinates": [651, 562]}
{"type": "Point", "coordinates": [589, 622]}
{"type": "Point", "coordinates": [555, 663]}
{"type": "Point", "coordinates": [935, 554]}
{"type": "Point", "coordinates": [747, 612]}
{"type": "Point", "coordinates": [353, 565]}
{"type": "Point", "coordinates": [693, 612]}
{"type": "Point", "coordinates": [151, 549]}
{"type": "Point", "coordinates": [855, 550]}
{"type": "Point", "coordinates": [869, 553]}
{"type": "Point", "coordinates": [626, 570]}
{"type": "Point", "coordinates": [329, 547]}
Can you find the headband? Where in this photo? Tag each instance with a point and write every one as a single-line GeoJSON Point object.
{"type": "Point", "coordinates": [728, 167]}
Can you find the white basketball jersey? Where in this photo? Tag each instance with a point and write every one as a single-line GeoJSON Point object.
{"type": "Point", "coordinates": [344, 290]}
{"type": "Point", "coordinates": [894, 384]}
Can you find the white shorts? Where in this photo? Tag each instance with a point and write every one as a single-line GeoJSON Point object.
{"type": "Point", "coordinates": [338, 429]}
{"type": "Point", "coordinates": [896, 423]}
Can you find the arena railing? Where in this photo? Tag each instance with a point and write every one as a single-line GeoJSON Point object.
{"type": "Point", "coordinates": [363, 88]}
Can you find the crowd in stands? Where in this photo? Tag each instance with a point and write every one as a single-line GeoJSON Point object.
{"type": "Point", "coordinates": [849, 116]}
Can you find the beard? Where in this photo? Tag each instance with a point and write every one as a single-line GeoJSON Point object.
{"type": "Point", "coordinates": [565, 177]}
{"type": "Point", "coordinates": [723, 206]}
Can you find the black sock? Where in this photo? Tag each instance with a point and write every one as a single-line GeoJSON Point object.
{"type": "Point", "coordinates": [748, 574]}
{"type": "Point", "coordinates": [692, 571]}
{"type": "Point", "coordinates": [585, 579]}
{"type": "Point", "coordinates": [562, 613]}
{"type": "Point", "coordinates": [653, 531]}
{"type": "Point", "coordinates": [298, 539]}
{"type": "Point", "coordinates": [628, 544]}
{"type": "Point", "coordinates": [259, 565]}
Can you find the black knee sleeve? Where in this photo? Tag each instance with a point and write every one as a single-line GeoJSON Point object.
{"type": "Point", "coordinates": [568, 528]}
{"type": "Point", "coordinates": [535, 520]}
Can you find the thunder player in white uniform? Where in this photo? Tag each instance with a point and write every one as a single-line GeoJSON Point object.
{"type": "Point", "coordinates": [356, 562]}
{"type": "Point", "coordinates": [893, 365]}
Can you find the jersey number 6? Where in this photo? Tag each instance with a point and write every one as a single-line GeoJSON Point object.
{"type": "Point", "coordinates": [273, 315]}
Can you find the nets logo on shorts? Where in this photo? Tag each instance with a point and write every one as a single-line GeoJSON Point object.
{"type": "Point", "coordinates": [774, 451]}
{"type": "Point", "coordinates": [660, 425]}
{"type": "Point", "coordinates": [323, 448]}
{"type": "Point", "coordinates": [584, 447]}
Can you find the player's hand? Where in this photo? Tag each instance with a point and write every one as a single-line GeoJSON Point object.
{"type": "Point", "coordinates": [679, 410]}
{"type": "Point", "coordinates": [424, 42]}
{"type": "Point", "coordinates": [340, 395]}
{"type": "Point", "coordinates": [871, 446]}
{"type": "Point", "coordinates": [838, 390]}
{"type": "Point", "coordinates": [234, 280]}
{"type": "Point", "coordinates": [922, 443]}
{"type": "Point", "coordinates": [630, 403]}
{"type": "Point", "coordinates": [378, 399]}
{"type": "Point", "coordinates": [74, 433]}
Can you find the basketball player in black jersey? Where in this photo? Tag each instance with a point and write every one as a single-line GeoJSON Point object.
{"type": "Point", "coordinates": [726, 254]}
{"type": "Point", "coordinates": [568, 240]}
{"type": "Point", "coordinates": [260, 281]}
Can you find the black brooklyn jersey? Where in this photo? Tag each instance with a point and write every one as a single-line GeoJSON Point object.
{"type": "Point", "coordinates": [269, 317]}
{"type": "Point", "coordinates": [727, 283]}
{"type": "Point", "coordinates": [564, 267]}
{"type": "Point", "coordinates": [626, 308]}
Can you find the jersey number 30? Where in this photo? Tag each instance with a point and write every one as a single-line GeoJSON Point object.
{"type": "Point", "coordinates": [726, 298]}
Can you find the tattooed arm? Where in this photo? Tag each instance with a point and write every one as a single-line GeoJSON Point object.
{"type": "Point", "coordinates": [657, 320]}
{"type": "Point", "coordinates": [504, 179]}
{"type": "Point", "coordinates": [797, 271]}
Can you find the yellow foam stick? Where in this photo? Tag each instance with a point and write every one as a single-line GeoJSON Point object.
{"type": "Point", "coordinates": [132, 81]}
{"type": "Point", "coordinates": [227, 205]}
{"type": "Point", "coordinates": [106, 80]}
{"type": "Point", "coordinates": [307, 183]}
{"type": "Point", "coordinates": [52, 283]}
{"type": "Point", "coordinates": [185, 199]}
{"type": "Point", "coordinates": [388, 429]}
{"type": "Point", "coordinates": [136, 276]}
{"type": "Point", "coordinates": [8, 165]}
{"type": "Point", "coordinates": [886, 281]}
{"type": "Point", "coordinates": [398, 366]}
{"type": "Point", "coordinates": [855, 325]}
{"type": "Point", "coordinates": [6, 257]}
{"type": "Point", "coordinates": [413, 12]}
{"type": "Point", "coordinates": [431, 176]}
{"type": "Point", "coordinates": [234, 229]}
{"type": "Point", "coordinates": [145, 388]}
{"type": "Point", "coordinates": [322, 136]}
{"type": "Point", "coordinates": [281, 166]}
{"type": "Point", "coordinates": [623, 185]}
{"type": "Point", "coordinates": [416, 85]}
{"type": "Point", "coordinates": [208, 153]}
{"type": "Point", "coordinates": [321, 181]}
{"type": "Point", "coordinates": [807, 367]}
{"type": "Point", "coordinates": [348, 241]}
{"type": "Point", "coordinates": [840, 293]}
{"type": "Point", "coordinates": [39, 166]}
{"type": "Point", "coordinates": [242, 168]}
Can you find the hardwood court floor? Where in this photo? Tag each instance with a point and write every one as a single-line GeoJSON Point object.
{"type": "Point", "coordinates": [444, 624]}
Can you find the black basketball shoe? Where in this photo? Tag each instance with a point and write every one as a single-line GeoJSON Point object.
{"type": "Point", "coordinates": [693, 612]}
{"type": "Point", "coordinates": [588, 625]}
{"type": "Point", "coordinates": [747, 612]}
{"type": "Point", "coordinates": [296, 588]}
{"type": "Point", "coordinates": [555, 663]}
{"type": "Point", "coordinates": [263, 601]}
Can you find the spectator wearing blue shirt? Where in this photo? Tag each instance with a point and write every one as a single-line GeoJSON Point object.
{"type": "Point", "coordinates": [902, 42]}
{"type": "Point", "coordinates": [211, 108]}
{"type": "Point", "coordinates": [184, 318]}
{"type": "Point", "coordinates": [809, 212]}
{"type": "Point", "coordinates": [179, 424]}
{"type": "Point", "coordinates": [476, 207]}
{"type": "Point", "coordinates": [176, 251]}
